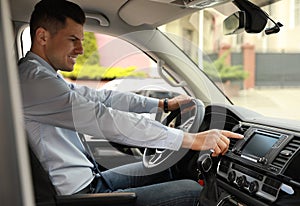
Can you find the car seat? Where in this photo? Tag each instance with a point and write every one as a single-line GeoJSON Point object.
{"type": "Point", "coordinates": [45, 193]}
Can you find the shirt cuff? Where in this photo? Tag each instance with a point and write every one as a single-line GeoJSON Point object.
{"type": "Point", "coordinates": [152, 105]}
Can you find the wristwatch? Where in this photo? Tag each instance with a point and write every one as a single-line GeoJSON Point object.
{"type": "Point", "coordinates": [166, 106]}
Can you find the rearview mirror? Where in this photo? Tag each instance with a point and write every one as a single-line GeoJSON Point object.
{"type": "Point", "coordinates": [235, 23]}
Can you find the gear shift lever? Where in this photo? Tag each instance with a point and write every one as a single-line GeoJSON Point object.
{"type": "Point", "coordinates": [209, 194]}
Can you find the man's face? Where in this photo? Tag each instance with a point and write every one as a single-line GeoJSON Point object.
{"type": "Point", "coordinates": [63, 47]}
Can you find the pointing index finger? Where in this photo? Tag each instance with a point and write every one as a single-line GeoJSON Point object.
{"type": "Point", "coordinates": [232, 134]}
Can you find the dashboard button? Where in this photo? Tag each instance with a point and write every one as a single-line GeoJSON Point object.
{"type": "Point", "coordinates": [286, 153]}
{"type": "Point", "coordinates": [263, 160]}
{"type": "Point", "coordinates": [274, 169]}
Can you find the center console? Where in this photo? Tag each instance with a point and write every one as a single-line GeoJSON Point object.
{"type": "Point", "coordinates": [263, 164]}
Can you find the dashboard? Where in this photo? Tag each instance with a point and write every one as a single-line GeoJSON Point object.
{"type": "Point", "coordinates": [263, 166]}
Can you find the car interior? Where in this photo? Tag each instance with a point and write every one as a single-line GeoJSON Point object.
{"type": "Point", "coordinates": [261, 169]}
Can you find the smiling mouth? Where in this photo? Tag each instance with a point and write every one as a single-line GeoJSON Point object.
{"type": "Point", "coordinates": [73, 59]}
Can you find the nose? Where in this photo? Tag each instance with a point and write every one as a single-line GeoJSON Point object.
{"type": "Point", "coordinates": [79, 47]}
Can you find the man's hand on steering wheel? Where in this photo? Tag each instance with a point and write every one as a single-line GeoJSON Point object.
{"type": "Point", "coordinates": [174, 103]}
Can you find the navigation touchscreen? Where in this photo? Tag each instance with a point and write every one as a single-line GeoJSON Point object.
{"type": "Point", "coordinates": [259, 144]}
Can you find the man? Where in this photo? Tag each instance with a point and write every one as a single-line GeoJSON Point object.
{"type": "Point", "coordinates": [56, 111]}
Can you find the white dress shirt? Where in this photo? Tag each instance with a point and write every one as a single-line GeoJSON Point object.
{"type": "Point", "coordinates": [55, 111]}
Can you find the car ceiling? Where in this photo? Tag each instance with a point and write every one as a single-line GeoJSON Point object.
{"type": "Point", "coordinates": [137, 13]}
{"type": "Point", "coordinates": [131, 14]}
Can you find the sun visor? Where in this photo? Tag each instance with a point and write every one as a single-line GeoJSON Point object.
{"type": "Point", "coordinates": [151, 12]}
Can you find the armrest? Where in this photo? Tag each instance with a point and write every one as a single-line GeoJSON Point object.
{"type": "Point", "coordinates": [116, 198]}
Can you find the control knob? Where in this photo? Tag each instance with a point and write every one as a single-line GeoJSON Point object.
{"type": "Point", "coordinates": [253, 187]}
{"type": "Point", "coordinates": [241, 181]}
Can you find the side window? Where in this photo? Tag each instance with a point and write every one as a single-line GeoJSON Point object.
{"type": "Point", "coordinates": [25, 41]}
{"type": "Point", "coordinates": [297, 12]}
{"type": "Point", "coordinates": [112, 63]}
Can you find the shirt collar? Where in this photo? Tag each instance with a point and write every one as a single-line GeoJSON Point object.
{"type": "Point", "coordinates": [31, 55]}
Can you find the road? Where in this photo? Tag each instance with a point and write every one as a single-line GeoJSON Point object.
{"type": "Point", "coordinates": [274, 102]}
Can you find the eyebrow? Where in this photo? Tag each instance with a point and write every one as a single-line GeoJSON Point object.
{"type": "Point", "coordinates": [77, 38]}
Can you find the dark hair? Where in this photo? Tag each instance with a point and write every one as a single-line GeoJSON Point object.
{"type": "Point", "coordinates": [52, 14]}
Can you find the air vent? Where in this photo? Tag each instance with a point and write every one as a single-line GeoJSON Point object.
{"type": "Point", "coordinates": [286, 153]}
{"type": "Point", "coordinates": [239, 128]}
{"type": "Point", "coordinates": [271, 186]}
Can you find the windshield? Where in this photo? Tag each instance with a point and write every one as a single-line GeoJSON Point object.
{"type": "Point", "coordinates": [256, 71]}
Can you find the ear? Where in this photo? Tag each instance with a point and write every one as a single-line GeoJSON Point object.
{"type": "Point", "coordinates": [41, 36]}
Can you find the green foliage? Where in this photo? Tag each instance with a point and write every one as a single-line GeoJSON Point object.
{"type": "Point", "coordinates": [96, 72]}
{"type": "Point", "coordinates": [219, 71]}
{"type": "Point", "coordinates": [118, 72]}
{"type": "Point", "coordinates": [91, 54]}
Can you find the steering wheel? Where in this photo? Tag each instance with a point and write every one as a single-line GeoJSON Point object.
{"type": "Point", "coordinates": [191, 116]}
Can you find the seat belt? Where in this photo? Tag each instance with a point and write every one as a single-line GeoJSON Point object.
{"type": "Point", "coordinates": [89, 154]}
{"type": "Point", "coordinates": [91, 158]}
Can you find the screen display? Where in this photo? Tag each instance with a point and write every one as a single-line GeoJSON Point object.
{"type": "Point", "coordinates": [259, 144]}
